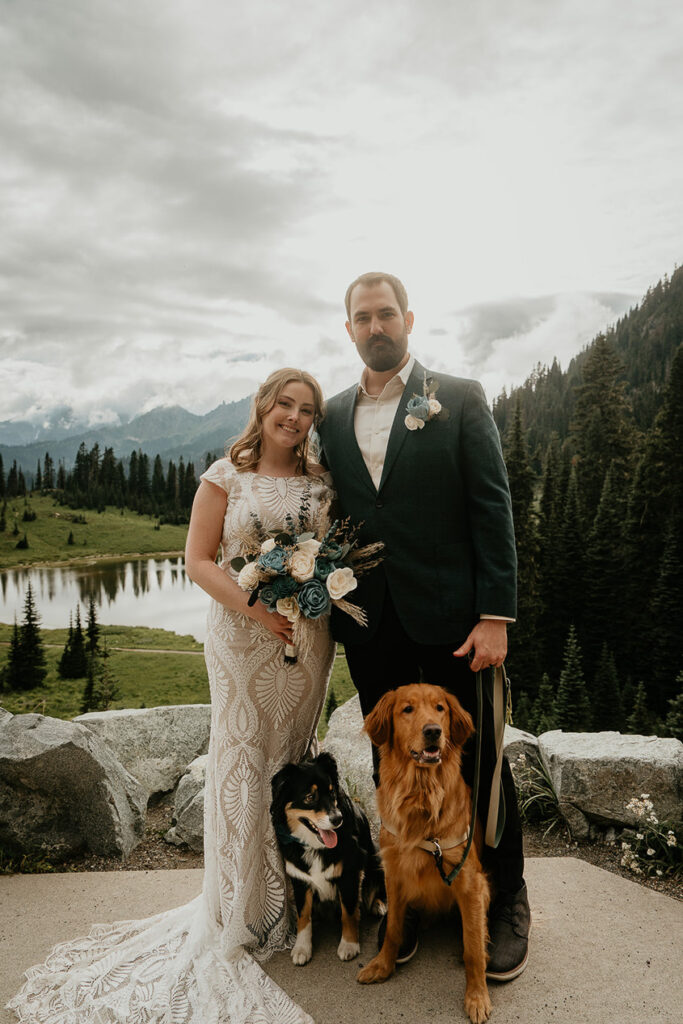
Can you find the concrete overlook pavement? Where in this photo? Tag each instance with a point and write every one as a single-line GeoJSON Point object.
{"type": "Point", "coordinates": [603, 949]}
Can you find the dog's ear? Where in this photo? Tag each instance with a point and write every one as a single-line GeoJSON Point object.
{"type": "Point", "coordinates": [462, 726]}
{"type": "Point", "coordinates": [379, 724]}
{"type": "Point", "coordinates": [279, 781]}
{"type": "Point", "coordinates": [329, 765]}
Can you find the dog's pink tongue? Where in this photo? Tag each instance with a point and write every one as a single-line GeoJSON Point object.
{"type": "Point", "coordinates": [328, 837]}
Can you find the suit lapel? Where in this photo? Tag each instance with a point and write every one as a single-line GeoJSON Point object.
{"type": "Point", "coordinates": [352, 451]}
{"type": "Point", "coordinates": [399, 431]}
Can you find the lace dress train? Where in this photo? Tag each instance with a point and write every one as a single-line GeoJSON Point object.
{"type": "Point", "coordinates": [200, 963]}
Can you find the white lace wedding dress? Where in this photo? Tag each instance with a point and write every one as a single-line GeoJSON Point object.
{"type": "Point", "coordinates": [197, 964]}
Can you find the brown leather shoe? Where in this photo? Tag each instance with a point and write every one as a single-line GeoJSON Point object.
{"type": "Point", "coordinates": [509, 926]}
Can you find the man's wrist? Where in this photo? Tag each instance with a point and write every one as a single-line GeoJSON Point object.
{"type": "Point", "coordinates": [495, 618]}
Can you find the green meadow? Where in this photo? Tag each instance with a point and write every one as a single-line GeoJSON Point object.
{"type": "Point", "coordinates": [152, 667]}
{"type": "Point", "coordinates": [112, 532]}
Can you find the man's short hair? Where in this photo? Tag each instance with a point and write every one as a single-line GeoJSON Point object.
{"type": "Point", "coordinates": [378, 278]}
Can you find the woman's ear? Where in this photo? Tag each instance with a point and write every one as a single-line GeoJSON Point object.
{"type": "Point", "coordinates": [379, 724]}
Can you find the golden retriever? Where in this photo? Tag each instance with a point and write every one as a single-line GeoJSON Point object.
{"type": "Point", "coordinates": [420, 730]}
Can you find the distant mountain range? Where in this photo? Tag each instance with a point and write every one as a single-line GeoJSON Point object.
{"type": "Point", "coordinates": [169, 431]}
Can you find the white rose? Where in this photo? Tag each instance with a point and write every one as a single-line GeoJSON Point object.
{"type": "Point", "coordinates": [288, 607]}
{"type": "Point", "coordinates": [310, 546]}
{"type": "Point", "coordinates": [268, 545]}
{"type": "Point", "coordinates": [434, 407]}
{"type": "Point", "coordinates": [249, 576]}
{"type": "Point", "coordinates": [412, 423]}
{"type": "Point", "coordinates": [341, 582]}
{"type": "Point", "coordinates": [302, 566]}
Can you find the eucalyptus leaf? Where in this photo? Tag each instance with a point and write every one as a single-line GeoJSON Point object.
{"type": "Point", "coordinates": [433, 386]}
{"type": "Point", "coordinates": [305, 536]}
{"type": "Point", "coordinates": [345, 550]}
{"type": "Point", "coordinates": [238, 563]}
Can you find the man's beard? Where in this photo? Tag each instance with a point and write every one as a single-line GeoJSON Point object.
{"type": "Point", "coordinates": [385, 356]}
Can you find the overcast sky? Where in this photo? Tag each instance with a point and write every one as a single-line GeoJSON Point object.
{"type": "Point", "coordinates": [187, 187]}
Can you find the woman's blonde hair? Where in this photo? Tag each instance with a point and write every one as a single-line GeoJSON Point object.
{"type": "Point", "coordinates": [247, 450]}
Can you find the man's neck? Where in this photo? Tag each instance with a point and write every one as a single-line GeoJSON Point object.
{"type": "Point", "coordinates": [374, 382]}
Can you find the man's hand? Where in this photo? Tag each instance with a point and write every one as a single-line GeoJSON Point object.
{"type": "Point", "coordinates": [489, 641]}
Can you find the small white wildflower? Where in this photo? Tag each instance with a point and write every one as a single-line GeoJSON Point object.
{"type": "Point", "coordinates": [644, 796]}
{"type": "Point", "coordinates": [660, 873]}
{"type": "Point", "coordinates": [671, 840]}
{"type": "Point", "coordinates": [655, 821]}
{"type": "Point", "coordinates": [639, 835]}
{"type": "Point", "coordinates": [626, 846]}
{"type": "Point", "coordinates": [650, 852]}
{"type": "Point", "coordinates": [624, 862]}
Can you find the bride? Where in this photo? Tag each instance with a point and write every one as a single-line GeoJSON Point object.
{"type": "Point", "coordinates": [199, 963]}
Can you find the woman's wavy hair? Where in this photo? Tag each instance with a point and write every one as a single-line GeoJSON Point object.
{"type": "Point", "coordinates": [245, 453]}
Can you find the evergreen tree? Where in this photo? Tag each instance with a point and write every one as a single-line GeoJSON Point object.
{"type": "Point", "coordinates": [38, 485]}
{"type": "Point", "coordinates": [48, 472]}
{"type": "Point", "coordinates": [564, 581]}
{"type": "Point", "coordinates": [667, 605]}
{"type": "Point", "coordinates": [158, 483]}
{"type": "Point", "coordinates": [3, 517]}
{"type": "Point", "coordinates": [602, 427]}
{"type": "Point", "coordinates": [543, 714]}
{"type": "Point", "coordinates": [93, 629]}
{"type": "Point", "coordinates": [64, 664]}
{"type": "Point", "coordinates": [605, 574]}
{"type": "Point", "coordinates": [572, 707]}
{"type": "Point", "coordinates": [31, 667]}
{"type": "Point", "coordinates": [640, 721]}
{"type": "Point", "coordinates": [521, 712]}
{"type": "Point", "coordinates": [88, 700]}
{"type": "Point", "coordinates": [608, 712]}
{"type": "Point", "coordinates": [3, 489]}
{"type": "Point", "coordinates": [524, 651]}
{"type": "Point", "coordinates": [13, 671]}
{"type": "Point", "coordinates": [674, 720]}
{"type": "Point", "coordinates": [13, 480]}
{"type": "Point", "coordinates": [76, 664]}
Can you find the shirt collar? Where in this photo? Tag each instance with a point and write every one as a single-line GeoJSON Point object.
{"type": "Point", "coordinates": [403, 375]}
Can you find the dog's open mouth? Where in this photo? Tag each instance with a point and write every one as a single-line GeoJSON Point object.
{"type": "Point", "coordinates": [430, 755]}
{"type": "Point", "coordinates": [327, 835]}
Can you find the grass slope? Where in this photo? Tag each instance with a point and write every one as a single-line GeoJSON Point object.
{"type": "Point", "coordinates": [147, 676]}
{"type": "Point", "coordinates": [111, 532]}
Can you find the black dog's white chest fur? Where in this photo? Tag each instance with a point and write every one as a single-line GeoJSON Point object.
{"type": "Point", "coordinates": [320, 876]}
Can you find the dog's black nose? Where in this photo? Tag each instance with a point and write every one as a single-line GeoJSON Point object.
{"type": "Point", "coordinates": [335, 817]}
{"type": "Point", "coordinates": [431, 732]}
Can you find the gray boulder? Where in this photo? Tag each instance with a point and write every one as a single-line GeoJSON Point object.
{"type": "Point", "coordinates": [62, 791]}
{"type": "Point", "coordinates": [517, 742]}
{"type": "Point", "coordinates": [154, 744]}
{"type": "Point", "coordinates": [596, 774]}
{"type": "Point", "coordinates": [352, 750]}
{"type": "Point", "coordinates": [188, 807]}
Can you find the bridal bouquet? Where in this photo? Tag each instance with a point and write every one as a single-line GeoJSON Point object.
{"type": "Point", "coordinates": [301, 576]}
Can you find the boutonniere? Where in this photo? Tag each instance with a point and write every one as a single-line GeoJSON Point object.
{"type": "Point", "coordinates": [425, 407]}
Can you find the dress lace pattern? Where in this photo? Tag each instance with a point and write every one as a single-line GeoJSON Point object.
{"type": "Point", "coordinates": [200, 963]}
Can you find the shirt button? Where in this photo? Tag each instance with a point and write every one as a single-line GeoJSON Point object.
{"type": "Point", "coordinates": [379, 503]}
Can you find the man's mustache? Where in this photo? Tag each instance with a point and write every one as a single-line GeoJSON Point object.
{"type": "Point", "coordinates": [380, 337]}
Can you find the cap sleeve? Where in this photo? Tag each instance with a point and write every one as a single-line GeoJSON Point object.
{"type": "Point", "coordinates": [220, 472]}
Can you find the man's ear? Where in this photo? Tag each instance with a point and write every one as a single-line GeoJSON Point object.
{"type": "Point", "coordinates": [349, 329]}
{"type": "Point", "coordinates": [379, 724]}
{"type": "Point", "coordinates": [409, 320]}
{"type": "Point", "coordinates": [462, 726]}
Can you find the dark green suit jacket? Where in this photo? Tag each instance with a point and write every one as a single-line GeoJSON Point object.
{"type": "Point", "coordinates": [442, 509]}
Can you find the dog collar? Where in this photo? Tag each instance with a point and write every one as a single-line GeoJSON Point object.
{"type": "Point", "coordinates": [287, 837]}
{"type": "Point", "coordinates": [435, 846]}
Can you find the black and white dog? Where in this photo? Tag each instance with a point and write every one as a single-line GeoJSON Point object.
{"type": "Point", "coordinates": [328, 850]}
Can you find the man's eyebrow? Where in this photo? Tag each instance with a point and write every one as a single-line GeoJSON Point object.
{"type": "Point", "coordinates": [365, 312]}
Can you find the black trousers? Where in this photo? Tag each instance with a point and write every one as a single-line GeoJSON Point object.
{"type": "Point", "coordinates": [391, 659]}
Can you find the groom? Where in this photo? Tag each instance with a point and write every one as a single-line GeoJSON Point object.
{"type": "Point", "coordinates": [435, 491]}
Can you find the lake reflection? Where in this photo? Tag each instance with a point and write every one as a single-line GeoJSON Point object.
{"type": "Point", "coordinates": [143, 592]}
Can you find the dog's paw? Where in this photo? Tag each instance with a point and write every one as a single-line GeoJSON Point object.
{"type": "Point", "coordinates": [376, 970]}
{"type": "Point", "coordinates": [478, 1007]}
{"type": "Point", "coordinates": [347, 950]}
{"type": "Point", "coordinates": [303, 947]}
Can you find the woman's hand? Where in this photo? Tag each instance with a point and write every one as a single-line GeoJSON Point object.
{"type": "Point", "coordinates": [276, 623]}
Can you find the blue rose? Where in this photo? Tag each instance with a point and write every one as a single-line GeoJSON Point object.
{"type": "Point", "coordinates": [323, 568]}
{"type": "Point", "coordinates": [274, 560]}
{"type": "Point", "coordinates": [267, 595]}
{"type": "Point", "coordinates": [419, 408]}
{"type": "Point", "coordinates": [330, 549]}
{"type": "Point", "coordinates": [313, 599]}
{"type": "Point", "coordinates": [283, 586]}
